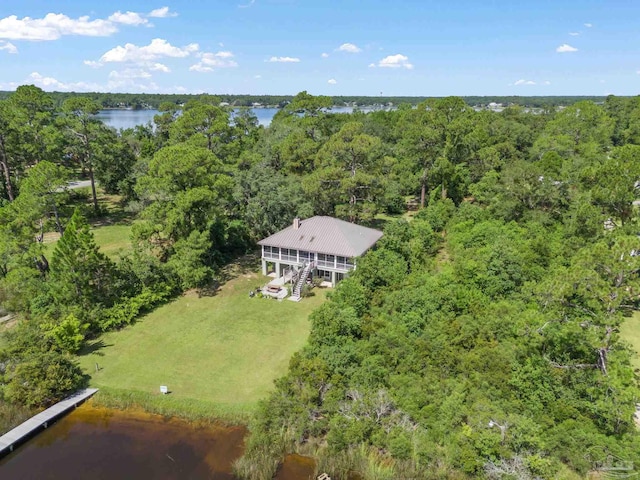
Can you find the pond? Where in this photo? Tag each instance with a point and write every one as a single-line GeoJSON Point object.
{"type": "Point", "coordinates": [99, 443]}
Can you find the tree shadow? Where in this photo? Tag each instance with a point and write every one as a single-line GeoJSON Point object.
{"type": "Point", "coordinates": [242, 265]}
{"type": "Point", "coordinates": [209, 290]}
{"type": "Point", "coordinates": [93, 348]}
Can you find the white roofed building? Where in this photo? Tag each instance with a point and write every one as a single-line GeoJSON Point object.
{"type": "Point", "coordinates": [323, 246]}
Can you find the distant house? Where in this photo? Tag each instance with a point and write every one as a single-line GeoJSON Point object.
{"type": "Point", "coordinates": [324, 246]}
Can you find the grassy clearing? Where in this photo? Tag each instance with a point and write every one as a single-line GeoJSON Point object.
{"type": "Point", "coordinates": [224, 350]}
{"type": "Point", "coordinates": [630, 333]}
{"type": "Point", "coordinates": [113, 240]}
{"type": "Point", "coordinates": [112, 231]}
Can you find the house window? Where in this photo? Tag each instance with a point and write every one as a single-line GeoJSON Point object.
{"type": "Point", "coordinates": [324, 275]}
{"type": "Point", "coordinates": [288, 254]}
{"type": "Point", "coordinates": [304, 256]}
{"type": "Point", "coordinates": [325, 260]}
{"type": "Point", "coordinates": [270, 252]}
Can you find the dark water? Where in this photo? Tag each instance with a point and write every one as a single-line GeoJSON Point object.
{"type": "Point", "coordinates": [296, 467]}
{"type": "Point", "coordinates": [97, 443]}
{"type": "Point", "coordinates": [92, 443]}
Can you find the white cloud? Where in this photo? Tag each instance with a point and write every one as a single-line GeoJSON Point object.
{"type": "Point", "coordinates": [198, 67]}
{"type": "Point", "coordinates": [332, 81]}
{"type": "Point", "coordinates": [258, 76]}
{"type": "Point", "coordinates": [209, 61]}
{"type": "Point", "coordinates": [565, 48]}
{"type": "Point", "coordinates": [92, 64]}
{"type": "Point", "coordinates": [546, 82]}
{"type": "Point", "coordinates": [53, 26]}
{"type": "Point", "coordinates": [395, 61]}
{"type": "Point", "coordinates": [162, 12]}
{"type": "Point", "coordinates": [156, 49]}
{"type": "Point", "coordinates": [51, 84]}
{"type": "Point", "coordinates": [588, 25]}
{"type": "Point", "coordinates": [128, 18]}
{"type": "Point", "coordinates": [9, 47]}
{"type": "Point", "coordinates": [129, 73]}
{"type": "Point", "coordinates": [372, 65]}
{"type": "Point", "coordinates": [247, 5]}
{"type": "Point", "coordinates": [159, 67]}
{"type": "Point", "coordinates": [349, 47]}
{"type": "Point", "coordinates": [524, 82]}
{"type": "Point", "coordinates": [283, 60]}
{"type": "Point", "coordinates": [118, 82]}
{"type": "Point", "coordinates": [324, 55]}
{"type": "Point", "coordinates": [574, 34]}
{"type": "Point", "coordinates": [638, 72]}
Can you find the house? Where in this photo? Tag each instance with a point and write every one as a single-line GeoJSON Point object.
{"type": "Point", "coordinates": [324, 246]}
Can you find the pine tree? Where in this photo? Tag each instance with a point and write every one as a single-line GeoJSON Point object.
{"type": "Point", "coordinates": [82, 274]}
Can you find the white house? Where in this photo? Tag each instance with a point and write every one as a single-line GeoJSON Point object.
{"type": "Point", "coordinates": [325, 246]}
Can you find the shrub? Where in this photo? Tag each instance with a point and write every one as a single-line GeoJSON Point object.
{"type": "Point", "coordinates": [125, 312]}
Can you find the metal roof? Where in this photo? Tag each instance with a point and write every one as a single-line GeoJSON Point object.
{"type": "Point", "coordinates": [326, 235]}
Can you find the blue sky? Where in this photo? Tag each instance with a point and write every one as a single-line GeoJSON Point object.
{"type": "Point", "coordinates": [347, 47]}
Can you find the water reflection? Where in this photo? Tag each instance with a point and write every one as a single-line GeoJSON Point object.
{"type": "Point", "coordinates": [97, 443]}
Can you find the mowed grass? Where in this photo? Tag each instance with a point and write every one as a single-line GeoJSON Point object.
{"type": "Point", "coordinates": [111, 232]}
{"type": "Point", "coordinates": [630, 333]}
{"type": "Point", "coordinates": [113, 240]}
{"type": "Point", "coordinates": [225, 349]}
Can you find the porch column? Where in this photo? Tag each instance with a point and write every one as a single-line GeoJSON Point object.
{"type": "Point", "coordinates": [277, 269]}
{"type": "Point", "coordinates": [333, 279]}
{"type": "Point", "coordinates": [264, 267]}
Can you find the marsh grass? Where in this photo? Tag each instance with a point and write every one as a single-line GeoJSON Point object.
{"type": "Point", "coordinates": [192, 410]}
{"type": "Point", "coordinates": [12, 415]}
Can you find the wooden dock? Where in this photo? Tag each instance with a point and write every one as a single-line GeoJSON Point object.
{"type": "Point", "coordinates": [42, 420]}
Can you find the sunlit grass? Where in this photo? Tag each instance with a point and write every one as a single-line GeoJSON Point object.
{"type": "Point", "coordinates": [225, 349]}
{"type": "Point", "coordinates": [111, 232]}
{"type": "Point", "coordinates": [630, 333]}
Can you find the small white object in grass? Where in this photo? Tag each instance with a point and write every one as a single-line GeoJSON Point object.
{"type": "Point", "coordinates": [164, 389]}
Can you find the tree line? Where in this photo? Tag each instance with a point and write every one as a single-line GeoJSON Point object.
{"type": "Point", "coordinates": [137, 101]}
{"type": "Point", "coordinates": [480, 339]}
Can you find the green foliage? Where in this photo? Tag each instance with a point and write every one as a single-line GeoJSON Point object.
{"type": "Point", "coordinates": [479, 339]}
{"type": "Point", "coordinates": [41, 379]}
{"type": "Point", "coordinates": [81, 274]}
{"type": "Point", "coordinates": [125, 312]}
{"type": "Point", "coordinates": [67, 334]}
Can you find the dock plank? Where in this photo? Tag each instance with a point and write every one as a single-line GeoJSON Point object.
{"type": "Point", "coordinates": [16, 435]}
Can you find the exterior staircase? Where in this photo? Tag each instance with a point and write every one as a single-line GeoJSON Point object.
{"type": "Point", "coordinates": [302, 278]}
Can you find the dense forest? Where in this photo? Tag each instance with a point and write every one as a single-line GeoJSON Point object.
{"type": "Point", "coordinates": [479, 340]}
{"type": "Point", "coordinates": [153, 100]}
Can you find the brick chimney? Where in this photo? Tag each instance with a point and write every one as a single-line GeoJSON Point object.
{"type": "Point", "coordinates": [296, 223]}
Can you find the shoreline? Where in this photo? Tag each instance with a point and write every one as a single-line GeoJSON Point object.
{"type": "Point", "coordinates": [196, 412]}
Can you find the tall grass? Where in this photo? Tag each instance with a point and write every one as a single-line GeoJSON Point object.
{"type": "Point", "coordinates": [13, 415]}
{"type": "Point", "coordinates": [263, 455]}
{"type": "Point", "coordinates": [192, 410]}
{"type": "Point", "coordinates": [364, 462]}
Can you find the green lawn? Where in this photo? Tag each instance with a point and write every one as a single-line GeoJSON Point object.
{"type": "Point", "coordinates": [630, 332]}
{"type": "Point", "coordinates": [111, 232]}
{"type": "Point", "coordinates": [113, 240]}
{"type": "Point", "coordinates": [225, 349]}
